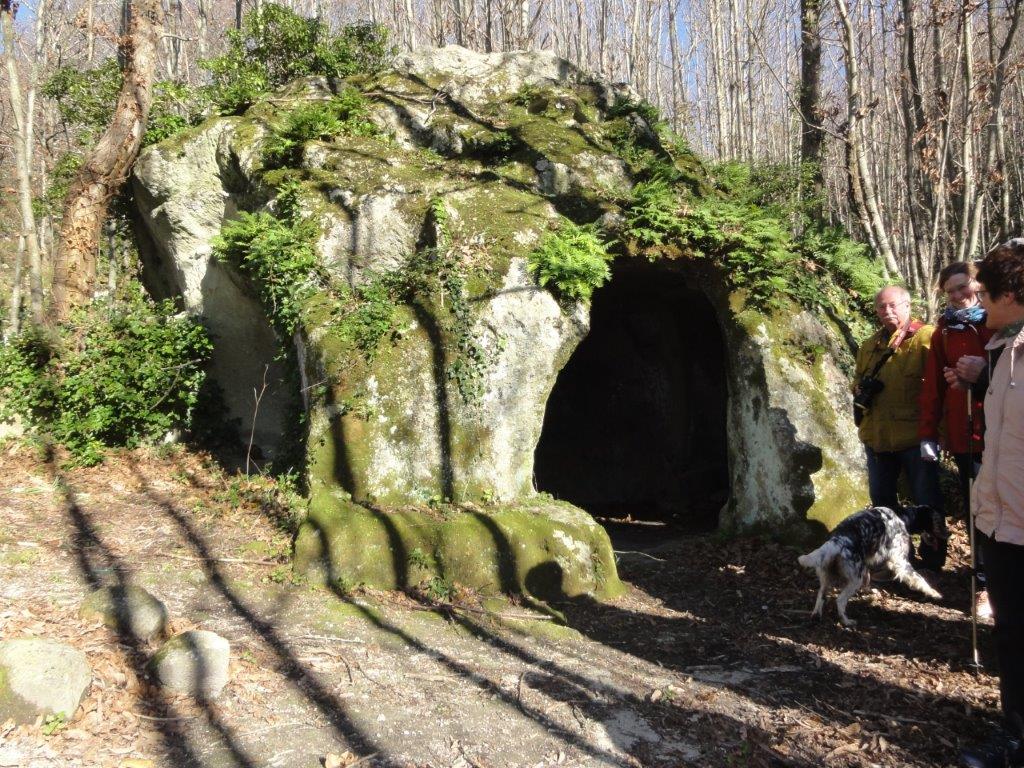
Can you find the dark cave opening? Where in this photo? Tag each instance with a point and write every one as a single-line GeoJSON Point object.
{"type": "Point", "coordinates": [635, 427]}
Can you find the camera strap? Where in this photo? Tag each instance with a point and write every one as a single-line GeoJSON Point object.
{"type": "Point", "coordinates": [889, 352]}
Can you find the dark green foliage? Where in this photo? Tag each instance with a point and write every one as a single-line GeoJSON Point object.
{"type": "Point", "coordinates": [276, 45]}
{"type": "Point", "coordinates": [757, 223]}
{"type": "Point", "coordinates": [572, 260]}
{"type": "Point", "coordinates": [754, 248]}
{"type": "Point", "coordinates": [279, 256]}
{"type": "Point", "coordinates": [85, 97]}
{"type": "Point", "coordinates": [825, 254]}
{"type": "Point", "coordinates": [122, 371]}
{"type": "Point", "coordinates": [345, 114]}
{"type": "Point", "coordinates": [175, 108]}
{"type": "Point", "coordinates": [61, 176]}
{"type": "Point", "coordinates": [653, 213]}
{"type": "Point", "coordinates": [373, 318]}
{"type": "Point", "coordinates": [435, 279]}
{"type": "Point", "coordinates": [624, 107]}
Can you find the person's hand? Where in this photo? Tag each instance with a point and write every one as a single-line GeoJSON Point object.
{"type": "Point", "coordinates": [969, 368]}
{"type": "Point", "coordinates": [952, 379]}
{"type": "Point", "coordinates": [929, 450]}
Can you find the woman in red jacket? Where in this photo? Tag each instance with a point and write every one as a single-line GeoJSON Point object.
{"type": "Point", "coordinates": [960, 331]}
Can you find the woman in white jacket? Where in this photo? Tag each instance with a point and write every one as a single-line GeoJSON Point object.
{"type": "Point", "coordinates": [998, 496]}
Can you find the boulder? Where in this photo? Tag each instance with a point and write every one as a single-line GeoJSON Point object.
{"type": "Point", "coordinates": [41, 677]}
{"type": "Point", "coordinates": [194, 662]}
{"type": "Point", "coordinates": [426, 357]}
{"type": "Point", "coordinates": [127, 608]}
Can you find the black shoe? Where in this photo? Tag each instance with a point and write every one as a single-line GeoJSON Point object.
{"type": "Point", "coordinates": [1002, 751]}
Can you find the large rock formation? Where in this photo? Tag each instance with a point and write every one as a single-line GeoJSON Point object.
{"type": "Point", "coordinates": [427, 352]}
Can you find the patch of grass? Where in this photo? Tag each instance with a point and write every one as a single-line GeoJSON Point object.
{"type": "Point", "coordinates": [440, 590]}
{"type": "Point", "coordinates": [53, 723]}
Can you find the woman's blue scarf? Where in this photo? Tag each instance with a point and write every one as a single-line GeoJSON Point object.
{"type": "Point", "coordinates": [958, 319]}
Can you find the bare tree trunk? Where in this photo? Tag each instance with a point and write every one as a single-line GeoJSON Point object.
{"type": "Point", "coordinates": [489, 29]}
{"type": "Point", "coordinates": [968, 181]}
{"type": "Point", "coordinates": [14, 315]}
{"type": "Point", "coordinates": [811, 134]}
{"type": "Point", "coordinates": [90, 34]}
{"type": "Point", "coordinates": [996, 126]}
{"type": "Point", "coordinates": [22, 157]}
{"type": "Point", "coordinates": [410, 26]}
{"type": "Point", "coordinates": [203, 18]}
{"type": "Point", "coordinates": [876, 227]}
{"type": "Point", "coordinates": [724, 143]}
{"type": "Point", "coordinates": [107, 165]}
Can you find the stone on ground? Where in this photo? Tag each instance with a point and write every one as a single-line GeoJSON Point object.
{"type": "Point", "coordinates": [130, 608]}
{"type": "Point", "coordinates": [193, 662]}
{"type": "Point", "coordinates": [40, 677]}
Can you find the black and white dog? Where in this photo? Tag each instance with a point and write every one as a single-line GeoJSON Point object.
{"type": "Point", "coordinates": [874, 538]}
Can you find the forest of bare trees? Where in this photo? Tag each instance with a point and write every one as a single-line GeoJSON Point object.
{"type": "Point", "coordinates": [906, 117]}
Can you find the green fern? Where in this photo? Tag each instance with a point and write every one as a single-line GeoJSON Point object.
{"type": "Point", "coordinates": [572, 261]}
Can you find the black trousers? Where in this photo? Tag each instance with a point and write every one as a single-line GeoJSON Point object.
{"type": "Point", "coordinates": [967, 469]}
{"type": "Point", "coordinates": [966, 472]}
{"type": "Point", "coordinates": [1004, 568]}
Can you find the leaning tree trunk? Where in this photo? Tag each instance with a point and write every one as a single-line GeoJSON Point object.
{"type": "Point", "coordinates": [107, 165]}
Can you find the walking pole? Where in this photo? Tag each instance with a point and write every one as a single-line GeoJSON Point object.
{"type": "Point", "coordinates": [975, 663]}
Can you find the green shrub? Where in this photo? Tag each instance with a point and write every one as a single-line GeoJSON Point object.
{"type": "Point", "coordinates": [279, 257]}
{"type": "Point", "coordinates": [316, 121]}
{"type": "Point", "coordinates": [572, 260]}
{"type": "Point", "coordinates": [122, 371]}
{"type": "Point", "coordinates": [86, 98]}
{"type": "Point", "coordinates": [373, 318]}
{"type": "Point", "coordinates": [176, 107]}
{"type": "Point", "coordinates": [276, 45]}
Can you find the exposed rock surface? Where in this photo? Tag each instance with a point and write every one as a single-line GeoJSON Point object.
{"type": "Point", "coordinates": [130, 608]}
{"type": "Point", "coordinates": [194, 662]}
{"type": "Point", "coordinates": [40, 677]}
{"type": "Point", "coordinates": [475, 158]}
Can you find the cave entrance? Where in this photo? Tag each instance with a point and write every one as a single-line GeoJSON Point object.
{"type": "Point", "coordinates": [635, 427]}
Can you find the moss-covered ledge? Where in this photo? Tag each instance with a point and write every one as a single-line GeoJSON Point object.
{"type": "Point", "coordinates": [538, 546]}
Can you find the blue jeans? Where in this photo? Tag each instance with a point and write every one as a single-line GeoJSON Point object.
{"type": "Point", "coordinates": [884, 469]}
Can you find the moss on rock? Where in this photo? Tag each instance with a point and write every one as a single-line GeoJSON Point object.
{"type": "Point", "coordinates": [544, 548]}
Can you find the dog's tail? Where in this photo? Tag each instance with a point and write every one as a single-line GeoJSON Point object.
{"type": "Point", "coordinates": [820, 556]}
{"type": "Point", "coordinates": [905, 574]}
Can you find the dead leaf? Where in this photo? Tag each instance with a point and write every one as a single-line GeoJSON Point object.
{"type": "Point", "coordinates": [339, 761]}
{"type": "Point", "coordinates": [137, 762]}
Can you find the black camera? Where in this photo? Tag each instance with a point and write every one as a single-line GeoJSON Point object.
{"type": "Point", "coordinates": [867, 391]}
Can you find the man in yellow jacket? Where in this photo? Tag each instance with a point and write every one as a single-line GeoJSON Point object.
{"type": "Point", "coordinates": [887, 388]}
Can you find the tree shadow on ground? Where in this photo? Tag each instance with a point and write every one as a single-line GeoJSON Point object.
{"type": "Point", "coordinates": [593, 699]}
{"type": "Point", "coordinates": [729, 629]}
{"type": "Point", "coordinates": [305, 680]}
{"type": "Point", "coordinates": [101, 567]}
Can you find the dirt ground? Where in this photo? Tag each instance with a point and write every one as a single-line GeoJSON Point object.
{"type": "Point", "coordinates": [709, 660]}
